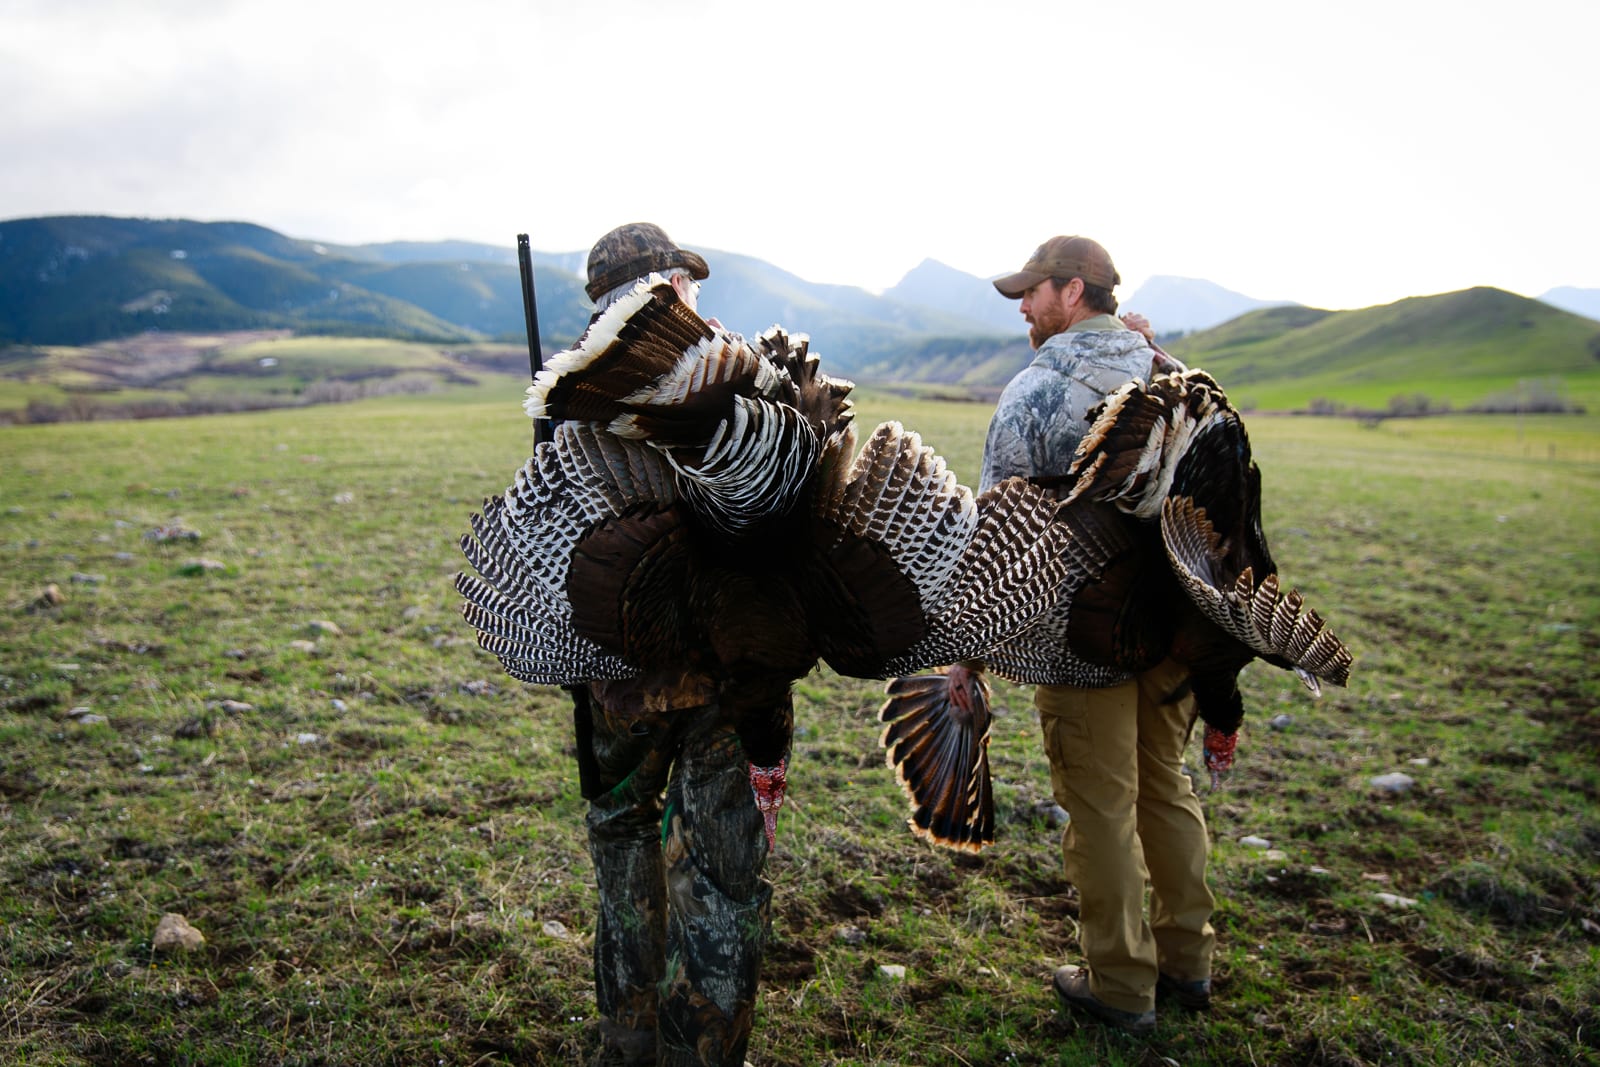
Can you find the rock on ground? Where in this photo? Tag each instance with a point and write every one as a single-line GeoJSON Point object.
{"type": "Point", "coordinates": [174, 934]}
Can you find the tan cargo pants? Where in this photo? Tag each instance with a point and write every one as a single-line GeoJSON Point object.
{"type": "Point", "coordinates": [1116, 759]}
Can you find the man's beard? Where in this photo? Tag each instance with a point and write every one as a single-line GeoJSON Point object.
{"type": "Point", "coordinates": [1047, 322]}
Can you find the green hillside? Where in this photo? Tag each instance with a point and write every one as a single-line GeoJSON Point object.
{"type": "Point", "coordinates": [82, 279]}
{"type": "Point", "coordinates": [1464, 348]}
{"type": "Point", "coordinates": [89, 281]}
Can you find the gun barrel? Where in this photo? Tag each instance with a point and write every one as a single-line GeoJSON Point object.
{"type": "Point", "coordinates": [530, 315]}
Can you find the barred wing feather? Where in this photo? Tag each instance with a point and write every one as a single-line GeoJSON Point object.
{"type": "Point", "coordinates": [522, 546]}
{"type": "Point", "coordinates": [1275, 625]}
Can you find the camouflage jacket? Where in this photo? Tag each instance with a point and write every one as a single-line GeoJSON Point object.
{"type": "Point", "coordinates": [1042, 413]}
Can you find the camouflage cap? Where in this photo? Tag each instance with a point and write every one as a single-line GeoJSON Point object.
{"type": "Point", "coordinates": [633, 251]}
{"type": "Point", "coordinates": [1062, 257]}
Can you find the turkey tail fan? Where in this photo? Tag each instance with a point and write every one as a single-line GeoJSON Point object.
{"type": "Point", "coordinates": [940, 756]}
{"type": "Point", "coordinates": [823, 400]}
{"type": "Point", "coordinates": [626, 350]}
{"type": "Point", "coordinates": [1139, 435]}
{"type": "Point", "coordinates": [522, 543]}
{"type": "Point", "coordinates": [1275, 625]}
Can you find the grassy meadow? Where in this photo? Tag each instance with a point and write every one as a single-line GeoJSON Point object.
{"type": "Point", "coordinates": [280, 728]}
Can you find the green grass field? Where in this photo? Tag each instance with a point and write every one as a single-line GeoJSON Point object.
{"type": "Point", "coordinates": [381, 838]}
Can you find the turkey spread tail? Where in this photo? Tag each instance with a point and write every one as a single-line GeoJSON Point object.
{"type": "Point", "coordinates": [624, 356]}
{"type": "Point", "coordinates": [937, 741]}
{"type": "Point", "coordinates": [1140, 434]}
{"type": "Point", "coordinates": [1276, 625]}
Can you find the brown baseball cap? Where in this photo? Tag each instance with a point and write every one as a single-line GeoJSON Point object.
{"type": "Point", "coordinates": [1062, 257]}
{"type": "Point", "coordinates": [633, 251]}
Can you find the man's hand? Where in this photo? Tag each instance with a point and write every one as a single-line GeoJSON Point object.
{"type": "Point", "coordinates": [1162, 363]}
{"type": "Point", "coordinates": [1139, 324]}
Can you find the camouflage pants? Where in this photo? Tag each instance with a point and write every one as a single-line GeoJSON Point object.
{"type": "Point", "coordinates": [684, 912]}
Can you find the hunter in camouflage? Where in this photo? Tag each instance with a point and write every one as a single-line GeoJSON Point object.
{"type": "Point", "coordinates": [677, 841]}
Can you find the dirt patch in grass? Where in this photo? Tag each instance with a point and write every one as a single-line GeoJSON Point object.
{"type": "Point", "coordinates": [851, 901]}
{"type": "Point", "coordinates": [789, 962]}
{"type": "Point", "coordinates": [1477, 973]}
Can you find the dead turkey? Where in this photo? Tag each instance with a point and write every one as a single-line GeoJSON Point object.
{"type": "Point", "coordinates": [1164, 502]}
{"type": "Point", "coordinates": [702, 507]}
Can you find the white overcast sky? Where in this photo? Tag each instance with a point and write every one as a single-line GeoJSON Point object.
{"type": "Point", "coordinates": [1337, 154]}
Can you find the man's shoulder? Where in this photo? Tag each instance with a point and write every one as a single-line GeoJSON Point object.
{"type": "Point", "coordinates": [1095, 343]}
{"type": "Point", "coordinates": [1069, 352]}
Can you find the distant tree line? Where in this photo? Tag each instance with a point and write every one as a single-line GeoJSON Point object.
{"type": "Point", "coordinates": [1528, 398]}
{"type": "Point", "coordinates": [98, 407]}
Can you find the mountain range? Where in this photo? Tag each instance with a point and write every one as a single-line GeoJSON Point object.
{"type": "Point", "coordinates": [76, 280]}
{"type": "Point", "coordinates": [81, 279]}
{"type": "Point", "coordinates": [1585, 302]}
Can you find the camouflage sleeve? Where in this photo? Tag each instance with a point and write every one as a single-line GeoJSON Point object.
{"type": "Point", "coordinates": [1033, 430]}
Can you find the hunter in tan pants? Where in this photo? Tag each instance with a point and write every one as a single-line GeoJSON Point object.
{"type": "Point", "coordinates": [1116, 754]}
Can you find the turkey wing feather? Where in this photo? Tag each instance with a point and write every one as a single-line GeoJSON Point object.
{"type": "Point", "coordinates": [1272, 624]}
{"type": "Point", "coordinates": [940, 755]}
{"type": "Point", "coordinates": [523, 543]}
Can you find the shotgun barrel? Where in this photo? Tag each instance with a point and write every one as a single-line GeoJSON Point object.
{"type": "Point", "coordinates": [530, 315]}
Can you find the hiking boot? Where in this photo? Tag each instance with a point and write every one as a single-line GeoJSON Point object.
{"type": "Point", "coordinates": [622, 1046]}
{"type": "Point", "coordinates": [1072, 987]}
{"type": "Point", "coordinates": [1195, 995]}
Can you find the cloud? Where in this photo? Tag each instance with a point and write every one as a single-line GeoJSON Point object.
{"type": "Point", "coordinates": [1334, 155]}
